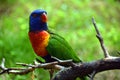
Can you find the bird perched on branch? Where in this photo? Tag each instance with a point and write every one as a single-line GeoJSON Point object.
{"type": "Point", "coordinates": [46, 43]}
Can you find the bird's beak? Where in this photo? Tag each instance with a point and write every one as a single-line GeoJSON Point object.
{"type": "Point", "coordinates": [44, 17]}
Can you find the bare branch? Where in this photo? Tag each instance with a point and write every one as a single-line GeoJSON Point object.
{"type": "Point", "coordinates": [88, 68]}
{"type": "Point", "coordinates": [69, 73]}
{"type": "Point", "coordinates": [32, 67]}
{"type": "Point", "coordinates": [106, 54]}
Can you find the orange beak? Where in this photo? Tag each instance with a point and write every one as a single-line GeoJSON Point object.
{"type": "Point", "coordinates": [44, 17]}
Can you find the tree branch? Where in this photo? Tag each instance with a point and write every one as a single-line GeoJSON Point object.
{"type": "Point", "coordinates": [32, 67]}
{"type": "Point", "coordinates": [98, 35]}
{"type": "Point", "coordinates": [86, 69]}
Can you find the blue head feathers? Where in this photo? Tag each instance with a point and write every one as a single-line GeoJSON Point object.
{"type": "Point", "coordinates": [38, 20]}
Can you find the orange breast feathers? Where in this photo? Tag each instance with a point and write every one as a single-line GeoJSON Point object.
{"type": "Point", "coordinates": [39, 41]}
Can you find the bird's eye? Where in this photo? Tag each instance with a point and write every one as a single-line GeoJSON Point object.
{"type": "Point", "coordinates": [34, 15]}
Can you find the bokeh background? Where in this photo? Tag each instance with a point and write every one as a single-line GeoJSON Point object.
{"type": "Point", "coordinates": [69, 18]}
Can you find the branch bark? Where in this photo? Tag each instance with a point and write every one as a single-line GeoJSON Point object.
{"type": "Point", "coordinates": [86, 69]}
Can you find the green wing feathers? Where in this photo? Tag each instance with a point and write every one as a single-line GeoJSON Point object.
{"type": "Point", "coordinates": [59, 48]}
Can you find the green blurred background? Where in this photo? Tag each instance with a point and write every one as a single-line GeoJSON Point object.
{"type": "Point", "coordinates": [71, 19]}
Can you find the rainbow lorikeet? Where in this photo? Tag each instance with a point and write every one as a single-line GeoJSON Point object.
{"type": "Point", "coordinates": [46, 43]}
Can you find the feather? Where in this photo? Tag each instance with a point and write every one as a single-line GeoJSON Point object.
{"type": "Point", "coordinates": [59, 48]}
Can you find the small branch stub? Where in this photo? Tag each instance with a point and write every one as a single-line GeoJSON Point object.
{"type": "Point", "coordinates": [106, 54]}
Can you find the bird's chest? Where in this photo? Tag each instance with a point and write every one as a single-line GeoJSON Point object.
{"type": "Point", "coordinates": [39, 41]}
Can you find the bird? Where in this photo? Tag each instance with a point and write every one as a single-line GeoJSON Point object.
{"type": "Point", "coordinates": [47, 44]}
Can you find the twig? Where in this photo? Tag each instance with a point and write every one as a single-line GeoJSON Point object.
{"type": "Point", "coordinates": [32, 67]}
{"type": "Point", "coordinates": [106, 54]}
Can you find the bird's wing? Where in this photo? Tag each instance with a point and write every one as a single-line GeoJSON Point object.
{"type": "Point", "coordinates": [59, 48]}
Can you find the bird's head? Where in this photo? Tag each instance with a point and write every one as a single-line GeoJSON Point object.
{"type": "Point", "coordinates": [38, 20]}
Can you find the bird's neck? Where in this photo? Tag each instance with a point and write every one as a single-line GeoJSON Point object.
{"type": "Point", "coordinates": [44, 26]}
{"type": "Point", "coordinates": [38, 27]}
